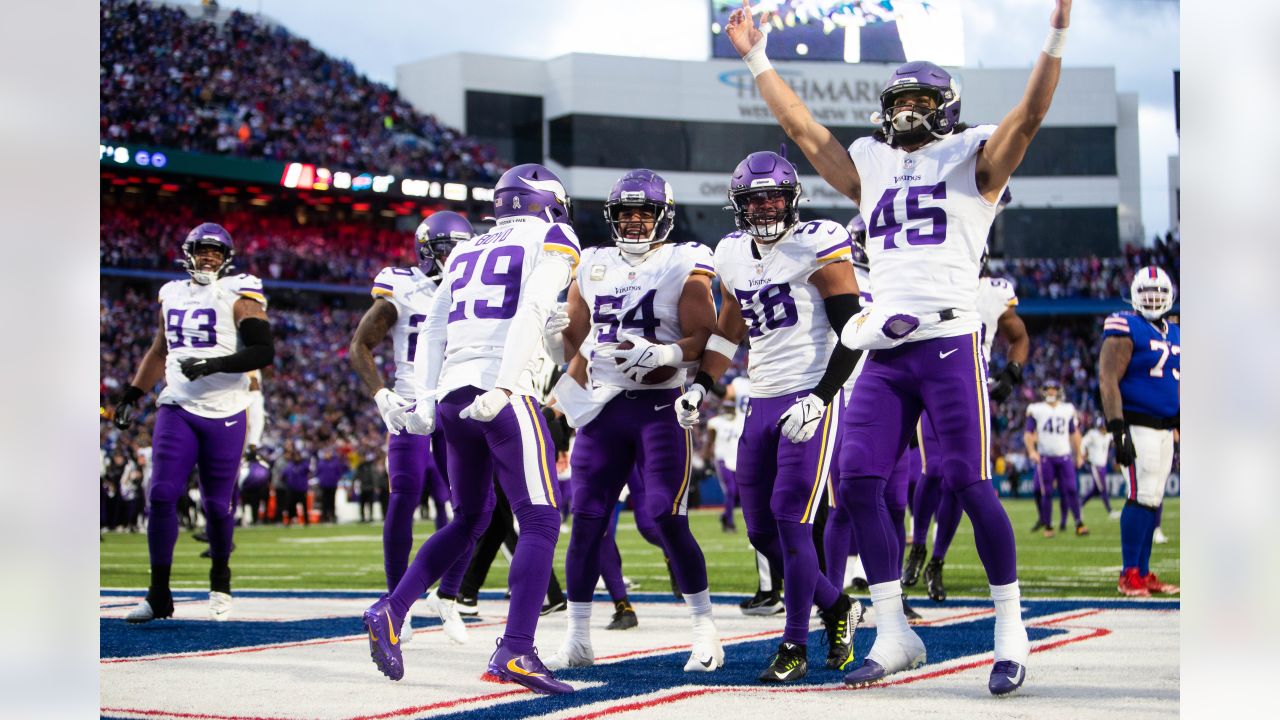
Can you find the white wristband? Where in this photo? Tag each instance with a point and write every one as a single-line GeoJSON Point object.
{"type": "Point", "coordinates": [1053, 44]}
{"type": "Point", "coordinates": [755, 57]}
{"type": "Point", "coordinates": [723, 345]}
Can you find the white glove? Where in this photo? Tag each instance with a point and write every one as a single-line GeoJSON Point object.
{"type": "Point", "coordinates": [557, 321]}
{"type": "Point", "coordinates": [487, 406]}
{"type": "Point", "coordinates": [800, 421]}
{"type": "Point", "coordinates": [388, 402]}
{"type": "Point", "coordinates": [421, 420]}
{"type": "Point", "coordinates": [643, 357]}
{"type": "Point", "coordinates": [687, 406]}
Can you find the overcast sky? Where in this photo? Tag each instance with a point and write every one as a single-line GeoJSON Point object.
{"type": "Point", "coordinates": [1138, 37]}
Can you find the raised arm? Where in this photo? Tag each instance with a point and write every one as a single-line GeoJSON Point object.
{"type": "Point", "coordinates": [827, 155]}
{"type": "Point", "coordinates": [1005, 149]}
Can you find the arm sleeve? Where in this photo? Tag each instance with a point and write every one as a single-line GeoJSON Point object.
{"type": "Point", "coordinates": [537, 301]}
{"type": "Point", "coordinates": [1031, 424]}
{"type": "Point", "coordinates": [1116, 325]}
{"type": "Point", "coordinates": [840, 308]}
{"type": "Point", "coordinates": [426, 374]}
{"type": "Point", "coordinates": [259, 348]}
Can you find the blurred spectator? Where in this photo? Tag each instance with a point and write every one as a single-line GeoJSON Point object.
{"type": "Point", "coordinates": [1088, 277]}
{"type": "Point", "coordinates": [329, 472]}
{"type": "Point", "coordinates": [296, 475]}
{"type": "Point", "coordinates": [242, 86]}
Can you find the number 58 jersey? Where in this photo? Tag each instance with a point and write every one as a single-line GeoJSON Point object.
{"type": "Point", "coordinates": [199, 322]}
{"type": "Point", "coordinates": [482, 288]}
{"type": "Point", "coordinates": [787, 328]}
{"type": "Point", "coordinates": [410, 292]}
{"type": "Point", "coordinates": [642, 299]}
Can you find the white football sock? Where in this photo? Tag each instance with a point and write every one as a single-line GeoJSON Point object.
{"type": "Point", "coordinates": [886, 597]}
{"type": "Point", "coordinates": [699, 606]}
{"type": "Point", "coordinates": [579, 620]}
{"type": "Point", "coordinates": [1011, 641]}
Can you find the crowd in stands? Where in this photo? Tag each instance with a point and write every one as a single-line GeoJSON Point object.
{"type": "Point", "coordinates": [1088, 277]}
{"type": "Point", "coordinates": [244, 86]}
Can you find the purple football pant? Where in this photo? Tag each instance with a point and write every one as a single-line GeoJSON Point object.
{"type": "Point", "coordinates": [946, 377]}
{"type": "Point", "coordinates": [780, 484]}
{"type": "Point", "coordinates": [516, 446]}
{"type": "Point", "coordinates": [1059, 469]}
{"type": "Point", "coordinates": [180, 441]}
{"type": "Point", "coordinates": [635, 430]}
{"type": "Point", "coordinates": [412, 463]}
{"type": "Point", "coordinates": [1097, 487]}
{"type": "Point", "coordinates": [437, 485]}
{"type": "Point", "coordinates": [934, 502]}
{"type": "Point", "coordinates": [729, 484]}
{"type": "Point", "coordinates": [610, 557]}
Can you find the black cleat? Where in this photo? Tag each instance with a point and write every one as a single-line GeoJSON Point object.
{"type": "Point", "coordinates": [860, 584]}
{"type": "Point", "coordinates": [763, 603]}
{"type": "Point", "coordinates": [1039, 526]}
{"type": "Point", "coordinates": [624, 617]}
{"type": "Point", "coordinates": [789, 665]}
{"type": "Point", "coordinates": [915, 561]}
{"type": "Point", "coordinates": [933, 580]}
{"type": "Point", "coordinates": [840, 623]}
{"type": "Point", "coordinates": [467, 606]}
{"type": "Point", "coordinates": [910, 612]}
{"type": "Point", "coordinates": [201, 536]}
{"type": "Point", "coordinates": [208, 553]}
{"type": "Point", "coordinates": [553, 607]}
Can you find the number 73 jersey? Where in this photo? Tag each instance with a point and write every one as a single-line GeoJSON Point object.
{"type": "Point", "coordinates": [787, 328]}
{"type": "Point", "coordinates": [199, 322]}
{"type": "Point", "coordinates": [1150, 383]}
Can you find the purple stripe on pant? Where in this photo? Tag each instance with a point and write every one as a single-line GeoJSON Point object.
{"type": "Point", "coordinates": [180, 441]}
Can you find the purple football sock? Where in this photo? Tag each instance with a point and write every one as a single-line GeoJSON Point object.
{"type": "Point", "coordinates": [801, 579]}
{"type": "Point", "coordinates": [949, 514]}
{"type": "Point", "coordinates": [835, 542]}
{"type": "Point", "coordinates": [584, 557]}
{"type": "Point", "coordinates": [530, 573]}
{"type": "Point", "coordinates": [993, 533]}
{"type": "Point", "coordinates": [611, 561]}
{"type": "Point", "coordinates": [397, 535]}
{"type": "Point", "coordinates": [687, 562]}
{"type": "Point", "coordinates": [924, 504]}
{"type": "Point", "coordinates": [162, 531]}
{"type": "Point", "coordinates": [437, 555]}
{"type": "Point", "coordinates": [873, 527]}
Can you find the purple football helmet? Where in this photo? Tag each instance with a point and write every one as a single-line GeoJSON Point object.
{"type": "Point", "coordinates": [1053, 386]}
{"type": "Point", "coordinates": [531, 190]}
{"type": "Point", "coordinates": [908, 125]}
{"type": "Point", "coordinates": [764, 193]}
{"type": "Point", "coordinates": [857, 228]}
{"type": "Point", "coordinates": [644, 189]}
{"type": "Point", "coordinates": [435, 237]}
{"type": "Point", "coordinates": [207, 235]}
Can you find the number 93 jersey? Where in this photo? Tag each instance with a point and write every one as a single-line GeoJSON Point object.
{"type": "Point", "coordinates": [787, 328]}
{"type": "Point", "coordinates": [199, 322]}
{"type": "Point", "coordinates": [1150, 383]}
{"type": "Point", "coordinates": [927, 225]}
{"type": "Point", "coordinates": [483, 286]}
{"type": "Point", "coordinates": [642, 299]}
{"type": "Point", "coordinates": [410, 292]}
{"type": "Point", "coordinates": [995, 296]}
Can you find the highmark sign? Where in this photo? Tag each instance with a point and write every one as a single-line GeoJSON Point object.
{"type": "Point", "coordinates": [831, 99]}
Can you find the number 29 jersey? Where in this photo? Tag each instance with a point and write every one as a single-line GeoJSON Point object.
{"type": "Point", "coordinates": [642, 299]}
{"type": "Point", "coordinates": [482, 288]}
{"type": "Point", "coordinates": [411, 293]}
{"type": "Point", "coordinates": [927, 225]}
{"type": "Point", "coordinates": [1150, 383]}
{"type": "Point", "coordinates": [199, 322]}
{"type": "Point", "coordinates": [787, 328]}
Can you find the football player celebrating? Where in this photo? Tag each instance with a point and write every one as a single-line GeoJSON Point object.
{"type": "Point", "coordinates": [645, 304]}
{"type": "Point", "coordinates": [483, 330]}
{"type": "Point", "coordinates": [402, 297]}
{"type": "Point", "coordinates": [785, 285]}
{"type": "Point", "coordinates": [932, 188]}
{"type": "Point", "coordinates": [1139, 373]}
{"type": "Point", "coordinates": [213, 331]}
{"type": "Point", "coordinates": [1052, 439]}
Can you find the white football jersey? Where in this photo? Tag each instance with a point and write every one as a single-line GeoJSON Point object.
{"type": "Point", "coordinates": [199, 322]}
{"type": "Point", "coordinates": [482, 286]}
{"type": "Point", "coordinates": [642, 299]}
{"type": "Point", "coordinates": [995, 295]}
{"type": "Point", "coordinates": [863, 277]}
{"type": "Point", "coordinates": [927, 225]}
{"type": "Point", "coordinates": [790, 337]}
{"type": "Point", "coordinates": [410, 292]}
{"type": "Point", "coordinates": [725, 448]}
{"type": "Point", "coordinates": [1053, 425]}
{"type": "Point", "coordinates": [1095, 445]}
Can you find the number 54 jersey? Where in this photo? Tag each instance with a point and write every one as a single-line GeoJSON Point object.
{"type": "Point", "coordinates": [199, 322]}
{"type": "Point", "coordinates": [642, 299]}
{"type": "Point", "coordinates": [410, 292]}
{"type": "Point", "coordinates": [787, 328]}
{"type": "Point", "coordinates": [482, 288]}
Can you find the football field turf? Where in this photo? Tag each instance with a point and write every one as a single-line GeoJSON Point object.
{"type": "Point", "coordinates": [350, 556]}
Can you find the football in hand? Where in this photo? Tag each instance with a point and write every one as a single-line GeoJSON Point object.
{"type": "Point", "coordinates": [656, 376]}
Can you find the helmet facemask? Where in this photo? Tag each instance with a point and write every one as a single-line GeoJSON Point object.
{"type": "Point", "coordinates": [1151, 293]}
{"type": "Point", "coordinates": [766, 212]}
{"type": "Point", "coordinates": [198, 268]}
{"type": "Point", "coordinates": [638, 224]}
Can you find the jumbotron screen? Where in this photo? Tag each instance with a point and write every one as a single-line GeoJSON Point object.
{"type": "Point", "coordinates": [886, 31]}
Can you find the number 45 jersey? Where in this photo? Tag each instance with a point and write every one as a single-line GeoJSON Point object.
{"type": "Point", "coordinates": [787, 328]}
{"type": "Point", "coordinates": [641, 299]}
{"type": "Point", "coordinates": [480, 293]}
{"type": "Point", "coordinates": [927, 225]}
{"type": "Point", "coordinates": [199, 322]}
{"type": "Point", "coordinates": [410, 292]}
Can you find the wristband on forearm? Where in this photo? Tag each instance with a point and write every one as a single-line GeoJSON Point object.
{"type": "Point", "coordinates": [1053, 44]}
{"type": "Point", "coordinates": [131, 395]}
{"type": "Point", "coordinates": [755, 57]}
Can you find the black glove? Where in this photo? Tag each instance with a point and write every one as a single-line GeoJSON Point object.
{"type": "Point", "coordinates": [1001, 387]}
{"type": "Point", "coordinates": [913, 441]}
{"type": "Point", "coordinates": [196, 368]}
{"type": "Point", "coordinates": [1126, 454]}
{"type": "Point", "coordinates": [251, 454]}
{"type": "Point", "coordinates": [123, 415]}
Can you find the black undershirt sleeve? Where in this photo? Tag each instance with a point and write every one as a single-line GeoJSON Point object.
{"type": "Point", "coordinates": [840, 309]}
{"type": "Point", "coordinates": [259, 348]}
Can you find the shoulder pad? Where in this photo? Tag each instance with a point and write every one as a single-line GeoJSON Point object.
{"type": "Point", "coordinates": [699, 256]}
{"type": "Point", "coordinates": [1117, 324]}
{"type": "Point", "coordinates": [247, 285]}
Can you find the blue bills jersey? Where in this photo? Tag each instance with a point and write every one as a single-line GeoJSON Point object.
{"type": "Point", "coordinates": [1150, 384]}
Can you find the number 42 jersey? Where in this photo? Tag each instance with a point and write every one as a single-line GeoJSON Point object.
{"type": "Point", "coordinates": [787, 328]}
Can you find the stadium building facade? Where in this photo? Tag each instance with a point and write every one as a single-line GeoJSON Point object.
{"type": "Point", "coordinates": [590, 117]}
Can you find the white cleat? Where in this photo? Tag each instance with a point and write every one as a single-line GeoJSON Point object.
{"type": "Point", "coordinates": [219, 606]}
{"type": "Point", "coordinates": [450, 619]}
{"type": "Point", "coordinates": [707, 654]}
{"type": "Point", "coordinates": [406, 629]}
{"type": "Point", "coordinates": [141, 613]}
{"type": "Point", "coordinates": [889, 654]}
{"type": "Point", "coordinates": [572, 654]}
{"type": "Point", "coordinates": [1159, 537]}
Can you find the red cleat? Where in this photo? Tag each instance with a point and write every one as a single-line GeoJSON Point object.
{"type": "Point", "coordinates": [1131, 584]}
{"type": "Point", "coordinates": [1154, 585]}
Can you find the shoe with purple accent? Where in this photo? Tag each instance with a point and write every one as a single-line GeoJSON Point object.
{"type": "Point", "coordinates": [526, 670]}
{"type": "Point", "coordinates": [1006, 676]}
{"type": "Point", "coordinates": [888, 655]}
{"type": "Point", "coordinates": [384, 643]}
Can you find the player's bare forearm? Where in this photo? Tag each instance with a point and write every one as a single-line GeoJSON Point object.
{"type": "Point", "coordinates": [731, 327]}
{"type": "Point", "coordinates": [373, 328]}
{"type": "Point", "coordinates": [697, 311]}
{"type": "Point", "coordinates": [1114, 361]}
{"type": "Point", "coordinates": [823, 150]}
{"type": "Point", "coordinates": [579, 321]}
{"type": "Point", "coordinates": [1014, 331]}
{"type": "Point", "coordinates": [151, 369]}
{"type": "Point", "coordinates": [578, 369]}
